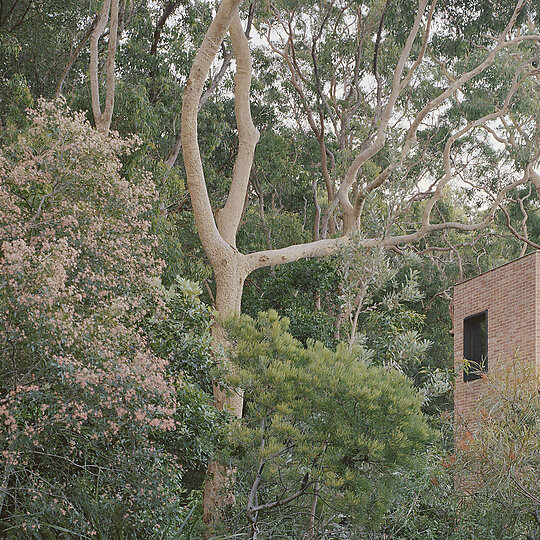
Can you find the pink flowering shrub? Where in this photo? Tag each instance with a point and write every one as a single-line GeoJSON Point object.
{"type": "Point", "coordinates": [82, 396]}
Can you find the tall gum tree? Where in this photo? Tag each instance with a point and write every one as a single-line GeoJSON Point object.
{"type": "Point", "coordinates": [218, 228]}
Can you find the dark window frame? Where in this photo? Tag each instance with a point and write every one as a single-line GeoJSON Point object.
{"type": "Point", "coordinates": [475, 345]}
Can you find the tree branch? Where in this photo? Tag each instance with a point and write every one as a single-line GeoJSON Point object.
{"type": "Point", "coordinates": [227, 57]}
{"type": "Point", "coordinates": [378, 143]}
{"type": "Point", "coordinates": [214, 245]}
{"type": "Point", "coordinates": [283, 502]}
{"type": "Point", "coordinates": [228, 218]}
{"type": "Point", "coordinates": [74, 56]}
{"type": "Point", "coordinates": [103, 119]}
{"type": "Point", "coordinates": [168, 10]}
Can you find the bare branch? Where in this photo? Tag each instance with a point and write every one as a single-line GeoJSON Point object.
{"type": "Point", "coordinates": [375, 63]}
{"type": "Point", "coordinates": [177, 146]}
{"type": "Point", "coordinates": [94, 58]}
{"type": "Point", "coordinates": [471, 125]}
{"type": "Point", "coordinates": [522, 237]}
{"type": "Point", "coordinates": [212, 241]}
{"type": "Point", "coordinates": [375, 147]}
{"type": "Point", "coordinates": [283, 502]}
{"type": "Point", "coordinates": [227, 58]}
{"type": "Point", "coordinates": [296, 80]}
{"type": "Point", "coordinates": [524, 490]}
{"type": "Point", "coordinates": [317, 223]}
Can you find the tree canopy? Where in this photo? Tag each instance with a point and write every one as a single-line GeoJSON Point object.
{"type": "Point", "coordinates": [165, 165]}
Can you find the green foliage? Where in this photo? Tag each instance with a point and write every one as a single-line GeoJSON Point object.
{"type": "Point", "coordinates": [423, 503]}
{"type": "Point", "coordinates": [501, 461]}
{"type": "Point", "coordinates": [183, 338]}
{"type": "Point", "coordinates": [487, 486]}
{"type": "Point", "coordinates": [82, 247]}
{"type": "Point", "coordinates": [378, 294]}
{"type": "Point", "coordinates": [37, 38]}
{"type": "Point", "coordinates": [319, 424]}
{"type": "Point", "coordinates": [426, 504]}
{"type": "Point", "coordinates": [293, 290]}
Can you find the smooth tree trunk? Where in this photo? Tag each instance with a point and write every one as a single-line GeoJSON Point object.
{"type": "Point", "coordinates": [230, 285]}
{"type": "Point", "coordinates": [230, 280]}
{"type": "Point", "coordinates": [103, 118]}
{"type": "Point", "coordinates": [218, 228]}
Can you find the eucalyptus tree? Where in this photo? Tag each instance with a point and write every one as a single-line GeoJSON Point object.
{"type": "Point", "coordinates": [424, 124]}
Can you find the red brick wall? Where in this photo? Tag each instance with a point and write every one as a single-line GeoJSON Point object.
{"type": "Point", "coordinates": [511, 296]}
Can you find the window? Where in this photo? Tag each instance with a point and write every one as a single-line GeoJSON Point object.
{"type": "Point", "coordinates": [475, 346]}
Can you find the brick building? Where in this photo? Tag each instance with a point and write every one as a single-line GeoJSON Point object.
{"type": "Point", "coordinates": [496, 318]}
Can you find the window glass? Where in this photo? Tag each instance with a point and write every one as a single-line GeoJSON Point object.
{"type": "Point", "coordinates": [475, 346]}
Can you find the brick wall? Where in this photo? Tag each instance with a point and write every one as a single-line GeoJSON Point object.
{"type": "Point", "coordinates": [511, 296]}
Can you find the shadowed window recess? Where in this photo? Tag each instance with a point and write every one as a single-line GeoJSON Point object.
{"type": "Point", "coordinates": [475, 346]}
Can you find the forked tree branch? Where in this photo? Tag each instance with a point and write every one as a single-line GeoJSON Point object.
{"type": "Point", "coordinates": [324, 248]}
{"type": "Point", "coordinates": [213, 243]}
{"type": "Point", "coordinates": [210, 235]}
{"type": "Point", "coordinates": [343, 193]}
{"type": "Point", "coordinates": [103, 119]}
{"type": "Point", "coordinates": [516, 82]}
{"type": "Point", "coordinates": [398, 86]}
{"type": "Point", "coordinates": [456, 84]}
{"type": "Point", "coordinates": [228, 217]}
{"type": "Point", "coordinates": [227, 58]}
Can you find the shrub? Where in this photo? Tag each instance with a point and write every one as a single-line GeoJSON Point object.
{"type": "Point", "coordinates": [324, 434]}
{"type": "Point", "coordinates": [83, 398]}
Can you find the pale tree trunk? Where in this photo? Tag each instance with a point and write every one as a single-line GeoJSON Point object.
{"type": "Point", "coordinates": [218, 230]}
{"type": "Point", "coordinates": [230, 283]}
{"type": "Point", "coordinates": [103, 118]}
{"type": "Point", "coordinates": [230, 267]}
